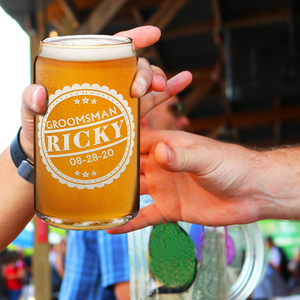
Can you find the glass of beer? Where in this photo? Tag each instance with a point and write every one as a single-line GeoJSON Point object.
{"type": "Point", "coordinates": [87, 140]}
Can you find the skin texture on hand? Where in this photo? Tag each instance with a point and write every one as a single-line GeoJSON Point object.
{"type": "Point", "coordinates": [199, 180]}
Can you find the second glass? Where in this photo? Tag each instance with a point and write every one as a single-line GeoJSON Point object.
{"type": "Point", "coordinates": [183, 261]}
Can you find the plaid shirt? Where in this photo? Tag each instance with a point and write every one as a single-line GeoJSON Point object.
{"type": "Point", "coordinates": [95, 261]}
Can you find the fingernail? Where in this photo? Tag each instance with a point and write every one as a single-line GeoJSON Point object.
{"type": "Point", "coordinates": [142, 86]}
{"type": "Point", "coordinates": [34, 104]}
{"type": "Point", "coordinates": [163, 80]}
{"type": "Point", "coordinates": [170, 153]}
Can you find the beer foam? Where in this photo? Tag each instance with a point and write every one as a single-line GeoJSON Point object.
{"type": "Point", "coordinates": [87, 48]}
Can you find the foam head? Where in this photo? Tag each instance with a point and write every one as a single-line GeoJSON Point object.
{"type": "Point", "coordinates": [87, 47]}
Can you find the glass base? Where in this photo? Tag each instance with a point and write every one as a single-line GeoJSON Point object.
{"type": "Point", "coordinates": [80, 225]}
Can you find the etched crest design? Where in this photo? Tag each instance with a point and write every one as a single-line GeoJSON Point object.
{"type": "Point", "coordinates": [86, 136]}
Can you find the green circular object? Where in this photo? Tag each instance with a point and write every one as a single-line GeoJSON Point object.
{"type": "Point", "coordinates": [172, 256]}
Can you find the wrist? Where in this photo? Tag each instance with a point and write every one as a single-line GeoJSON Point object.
{"type": "Point", "coordinates": [280, 184]}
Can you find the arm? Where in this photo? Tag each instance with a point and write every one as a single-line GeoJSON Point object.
{"type": "Point", "coordinates": [19, 275]}
{"type": "Point", "coordinates": [213, 183]}
{"type": "Point", "coordinates": [59, 264]}
{"type": "Point", "coordinates": [16, 200]}
{"type": "Point", "coordinates": [122, 290]}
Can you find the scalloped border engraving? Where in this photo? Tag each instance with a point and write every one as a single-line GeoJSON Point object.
{"type": "Point", "coordinates": [107, 94]}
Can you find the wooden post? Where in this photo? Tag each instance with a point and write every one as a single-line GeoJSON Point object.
{"type": "Point", "coordinates": [41, 266]}
{"type": "Point", "coordinates": [36, 28]}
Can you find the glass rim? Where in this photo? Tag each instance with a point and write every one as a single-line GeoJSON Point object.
{"type": "Point", "coordinates": [254, 265]}
{"type": "Point", "coordinates": [74, 48]}
{"type": "Point", "coordinates": [122, 41]}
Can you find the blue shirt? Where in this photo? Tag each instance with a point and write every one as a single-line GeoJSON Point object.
{"type": "Point", "coordinates": [95, 261]}
{"type": "Point", "coordinates": [271, 286]}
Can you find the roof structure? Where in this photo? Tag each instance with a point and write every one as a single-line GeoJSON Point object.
{"type": "Point", "coordinates": [244, 56]}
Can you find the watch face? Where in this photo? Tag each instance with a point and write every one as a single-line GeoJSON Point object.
{"type": "Point", "coordinates": [26, 171]}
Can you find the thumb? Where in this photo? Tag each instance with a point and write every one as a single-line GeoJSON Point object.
{"type": "Point", "coordinates": [176, 159]}
{"type": "Point", "coordinates": [33, 103]}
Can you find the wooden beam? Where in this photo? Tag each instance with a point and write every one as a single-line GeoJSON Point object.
{"type": "Point", "coordinates": [278, 123]}
{"type": "Point", "coordinates": [163, 16]}
{"type": "Point", "coordinates": [54, 12]}
{"type": "Point", "coordinates": [197, 27]}
{"type": "Point", "coordinates": [143, 4]}
{"type": "Point", "coordinates": [261, 17]}
{"type": "Point", "coordinates": [151, 51]}
{"type": "Point", "coordinates": [271, 144]}
{"type": "Point", "coordinates": [208, 25]}
{"type": "Point", "coordinates": [167, 11]}
{"type": "Point", "coordinates": [137, 16]}
{"type": "Point", "coordinates": [64, 26]}
{"type": "Point", "coordinates": [254, 118]}
{"type": "Point", "coordinates": [196, 95]}
{"type": "Point", "coordinates": [218, 20]}
{"type": "Point", "coordinates": [36, 34]}
{"type": "Point", "coordinates": [101, 15]}
{"type": "Point", "coordinates": [191, 28]}
{"type": "Point", "coordinates": [200, 76]}
{"type": "Point", "coordinates": [70, 11]}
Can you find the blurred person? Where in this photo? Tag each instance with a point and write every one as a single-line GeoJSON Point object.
{"type": "Point", "coordinates": [14, 273]}
{"type": "Point", "coordinates": [3, 256]}
{"type": "Point", "coordinates": [169, 115]}
{"type": "Point", "coordinates": [28, 288]}
{"type": "Point", "coordinates": [277, 258]}
{"type": "Point", "coordinates": [97, 264]}
{"type": "Point", "coordinates": [272, 285]}
{"type": "Point", "coordinates": [294, 270]}
{"type": "Point", "coordinates": [275, 281]}
{"type": "Point", "coordinates": [60, 258]}
{"type": "Point", "coordinates": [57, 264]}
{"type": "Point", "coordinates": [293, 283]}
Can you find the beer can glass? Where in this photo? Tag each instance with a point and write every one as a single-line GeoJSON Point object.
{"type": "Point", "coordinates": [87, 141]}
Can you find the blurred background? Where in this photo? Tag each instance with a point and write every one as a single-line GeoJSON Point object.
{"type": "Point", "coordinates": [244, 57]}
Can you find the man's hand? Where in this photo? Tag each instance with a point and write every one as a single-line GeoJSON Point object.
{"type": "Point", "coordinates": [199, 180]}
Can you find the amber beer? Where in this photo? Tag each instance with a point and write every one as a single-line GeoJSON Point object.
{"type": "Point", "coordinates": [87, 141]}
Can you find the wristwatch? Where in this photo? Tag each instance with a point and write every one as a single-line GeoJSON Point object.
{"type": "Point", "coordinates": [19, 158]}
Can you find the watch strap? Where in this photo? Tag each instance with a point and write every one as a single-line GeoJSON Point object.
{"type": "Point", "coordinates": [16, 152]}
{"type": "Point", "coordinates": [20, 159]}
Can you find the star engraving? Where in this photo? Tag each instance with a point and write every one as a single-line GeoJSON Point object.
{"type": "Point", "coordinates": [77, 173]}
{"type": "Point", "coordinates": [94, 101]}
{"type": "Point", "coordinates": [85, 100]}
{"type": "Point", "coordinates": [85, 174]}
{"type": "Point", "coordinates": [94, 173]}
{"type": "Point", "coordinates": [77, 101]}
